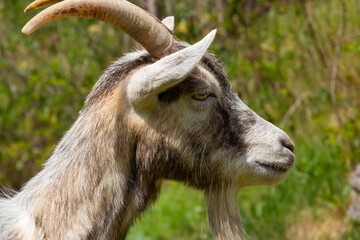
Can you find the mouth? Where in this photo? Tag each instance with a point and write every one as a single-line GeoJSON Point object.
{"type": "Point", "coordinates": [276, 167]}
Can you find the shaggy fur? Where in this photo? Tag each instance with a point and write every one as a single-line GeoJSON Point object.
{"type": "Point", "coordinates": [109, 166]}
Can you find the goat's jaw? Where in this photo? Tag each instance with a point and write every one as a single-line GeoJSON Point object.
{"type": "Point", "coordinates": [270, 171]}
{"type": "Point", "coordinates": [266, 171]}
{"type": "Point", "coordinates": [269, 164]}
{"type": "Point", "coordinates": [223, 212]}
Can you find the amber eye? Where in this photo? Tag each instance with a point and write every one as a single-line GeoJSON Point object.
{"type": "Point", "coordinates": [201, 96]}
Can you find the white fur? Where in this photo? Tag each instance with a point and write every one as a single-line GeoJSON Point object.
{"type": "Point", "coordinates": [15, 221]}
{"type": "Point", "coordinates": [169, 22]}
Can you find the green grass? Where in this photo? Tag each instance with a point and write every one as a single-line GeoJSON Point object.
{"type": "Point", "coordinates": [179, 213]}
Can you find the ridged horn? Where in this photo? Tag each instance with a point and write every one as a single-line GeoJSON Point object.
{"type": "Point", "coordinates": [143, 27]}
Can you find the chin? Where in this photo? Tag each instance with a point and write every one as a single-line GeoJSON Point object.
{"type": "Point", "coordinates": [272, 173]}
{"type": "Point", "coordinates": [265, 173]}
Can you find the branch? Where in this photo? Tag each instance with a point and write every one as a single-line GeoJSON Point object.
{"type": "Point", "coordinates": [291, 110]}
{"type": "Point", "coordinates": [334, 68]}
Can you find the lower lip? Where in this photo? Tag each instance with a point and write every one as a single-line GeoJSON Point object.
{"type": "Point", "coordinates": [274, 168]}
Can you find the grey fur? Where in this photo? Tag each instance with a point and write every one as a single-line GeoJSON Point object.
{"type": "Point", "coordinates": [108, 167]}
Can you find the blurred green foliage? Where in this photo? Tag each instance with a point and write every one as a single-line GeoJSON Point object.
{"type": "Point", "coordinates": [280, 56]}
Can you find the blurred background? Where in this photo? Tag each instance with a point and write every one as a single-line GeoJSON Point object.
{"type": "Point", "coordinates": [295, 62]}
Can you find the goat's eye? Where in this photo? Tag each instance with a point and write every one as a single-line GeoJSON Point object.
{"type": "Point", "coordinates": [201, 96]}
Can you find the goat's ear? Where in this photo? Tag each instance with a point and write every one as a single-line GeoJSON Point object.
{"type": "Point", "coordinates": [169, 22]}
{"type": "Point", "coordinates": [151, 80]}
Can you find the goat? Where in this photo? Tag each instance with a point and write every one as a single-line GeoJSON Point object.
{"type": "Point", "coordinates": [166, 112]}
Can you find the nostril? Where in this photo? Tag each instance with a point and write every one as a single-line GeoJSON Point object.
{"type": "Point", "coordinates": [287, 143]}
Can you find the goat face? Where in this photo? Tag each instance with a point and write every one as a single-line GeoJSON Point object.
{"type": "Point", "coordinates": [198, 129]}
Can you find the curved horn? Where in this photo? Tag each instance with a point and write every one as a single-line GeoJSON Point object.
{"type": "Point", "coordinates": [146, 29]}
{"type": "Point", "coordinates": [39, 4]}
